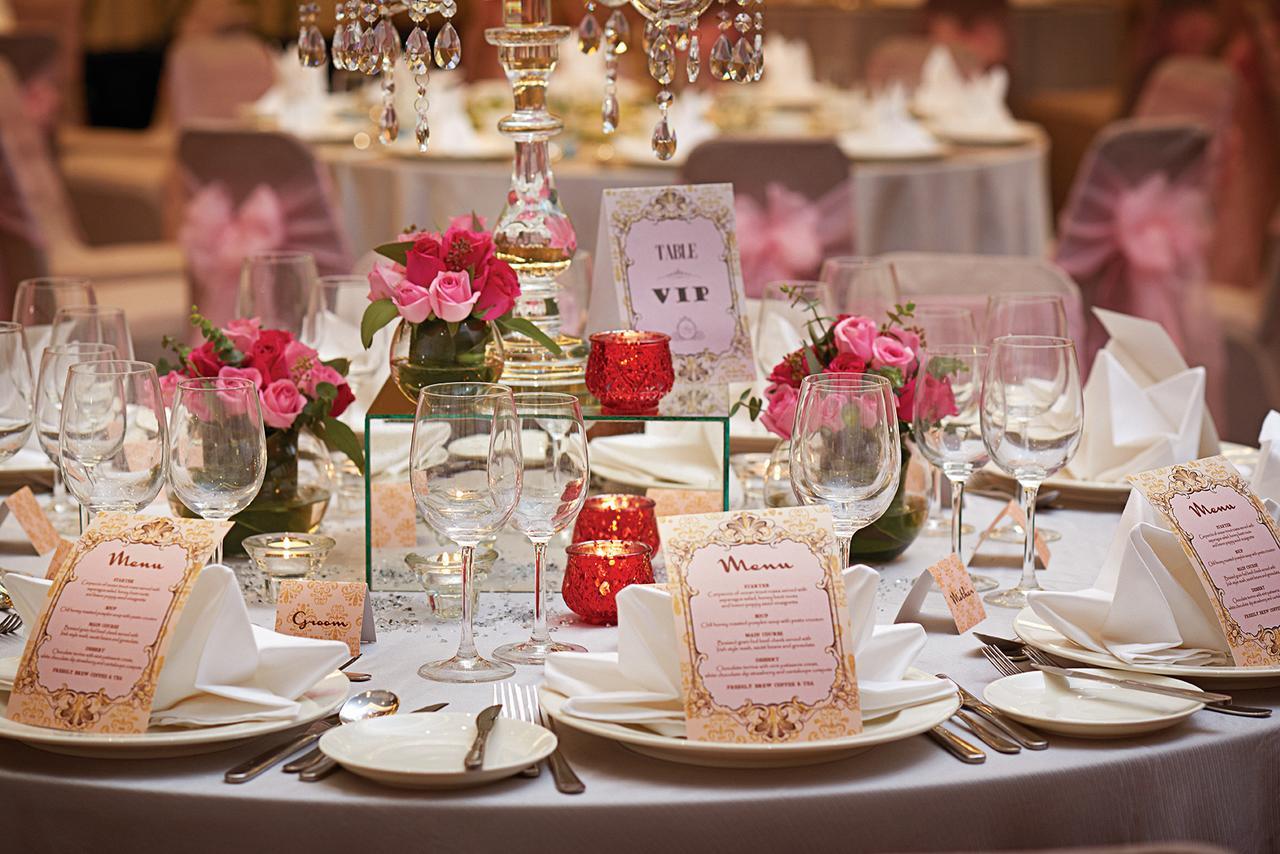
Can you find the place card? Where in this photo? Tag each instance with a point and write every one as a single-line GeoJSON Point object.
{"type": "Point", "coordinates": [1013, 512]}
{"type": "Point", "coordinates": [1234, 545]}
{"type": "Point", "coordinates": [956, 585]}
{"type": "Point", "coordinates": [92, 662]}
{"type": "Point", "coordinates": [667, 261]}
{"type": "Point", "coordinates": [326, 610]}
{"type": "Point", "coordinates": [23, 507]}
{"type": "Point", "coordinates": [393, 515]}
{"type": "Point", "coordinates": [760, 611]}
{"type": "Point", "coordinates": [683, 502]}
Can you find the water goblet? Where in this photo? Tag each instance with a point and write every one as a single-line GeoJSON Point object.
{"type": "Point", "coordinates": [16, 410]}
{"type": "Point", "coordinates": [51, 381]}
{"type": "Point", "coordinates": [98, 324]}
{"type": "Point", "coordinates": [279, 288]}
{"type": "Point", "coordinates": [37, 301]}
{"type": "Point", "coordinates": [862, 286]}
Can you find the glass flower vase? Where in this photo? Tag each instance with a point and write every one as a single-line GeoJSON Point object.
{"type": "Point", "coordinates": [891, 534]}
{"type": "Point", "coordinates": [438, 352]}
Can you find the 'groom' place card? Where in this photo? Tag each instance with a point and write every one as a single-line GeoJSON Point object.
{"type": "Point", "coordinates": [760, 610]}
{"type": "Point", "coordinates": [328, 610]}
{"type": "Point", "coordinates": [667, 261]}
{"type": "Point", "coordinates": [1234, 545]}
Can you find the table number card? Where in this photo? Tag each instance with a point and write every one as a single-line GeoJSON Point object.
{"type": "Point", "coordinates": [760, 611]}
{"type": "Point", "coordinates": [327, 610]}
{"type": "Point", "coordinates": [1234, 546]}
{"type": "Point", "coordinates": [1013, 512]}
{"type": "Point", "coordinates": [92, 662]}
{"type": "Point", "coordinates": [668, 262]}
{"type": "Point", "coordinates": [956, 585]}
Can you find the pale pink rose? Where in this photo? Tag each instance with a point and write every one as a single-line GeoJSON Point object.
{"type": "Point", "coordinates": [412, 301]}
{"type": "Point", "coordinates": [451, 296]}
{"type": "Point", "coordinates": [889, 352]}
{"type": "Point", "coordinates": [169, 387]}
{"type": "Point", "coordinates": [320, 374]}
{"type": "Point", "coordinates": [855, 335]}
{"type": "Point", "coordinates": [241, 373]}
{"type": "Point", "coordinates": [231, 393]}
{"type": "Point", "coordinates": [243, 331]}
{"type": "Point", "coordinates": [909, 339]}
{"type": "Point", "coordinates": [383, 281]}
{"type": "Point", "coordinates": [281, 403]}
{"type": "Point", "coordinates": [466, 221]}
{"type": "Point", "coordinates": [780, 410]}
{"type": "Point", "coordinates": [562, 234]}
{"type": "Point", "coordinates": [300, 360]}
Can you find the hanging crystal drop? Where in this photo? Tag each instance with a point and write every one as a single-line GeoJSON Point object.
{"type": "Point", "coordinates": [422, 131]}
{"type": "Point", "coordinates": [682, 35]}
{"type": "Point", "coordinates": [664, 139]}
{"type": "Point", "coordinates": [757, 58]}
{"type": "Point", "coordinates": [589, 34]}
{"type": "Point", "coordinates": [448, 47]}
{"type": "Point", "coordinates": [740, 65]}
{"type": "Point", "coordinates": [369, 52]}
{"type": "Point", "coordinates": [355, 37]}
{"type": "Point", "coordinates": [693, 63]}
{"type": "Point", "coordinates": [742, 22]}
{"type": "Point", "coordinates": [662, 58]}
{"type": "Point", "coordinates": [448, 8]}
{"type": "Point", "coordinates": [609, 113]}
{"type": "Point", "coordinates": [650, 33]}
{"type": "Point", "coordinates": [616, 32]}
{"type": "Point", "coordinates": [721, 57]}
{"type": "Point", "coordinates": [312, 48]}
{"type": "Point", "coordinates": [388, 124]}
{"type": "Point", "coordinates": [388, 42]}
{"type": "Point", "coordinates": [369, 11]}
{"type": "Point", "coordinates": [417, 51]}
{"type": "Point", "coordinates": [339, 47]}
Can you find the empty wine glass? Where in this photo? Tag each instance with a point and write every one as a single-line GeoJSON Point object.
{"type": "Point", "coordinates": [786, 311]}
{"type": "Point", "coordinates": [279, 288]}
{"type": "Point", "coordinates": [16, 410]}
{"type": "Point", "coordinates": [51, 381]}
{"type": "Point", "coordinates": [1032, 415]}
{"type": "Point", "coordinates": [556, 473]}
{"type": "Point", "coordinates": [97, 324]}
{"type": "Point", "coordinates": [112, 439]}
{"type": "Point", "coordinates": [947, 424]}
{"type": "Point", "coordinates": [217, 447]}
{"type": "Point", "coordinates": [863, 286]}
{"type": "Point", "coordinates": [37, 301]}
{"type": "Point", "coordinates": [466, 496]}
{"type": "Point", "coordinates": [845, 451]}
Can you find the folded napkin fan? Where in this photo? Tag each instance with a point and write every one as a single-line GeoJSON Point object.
{"type": "Point", "coordinates": [640, 683]}
{"type": "Point", "coordinates": [220, 668]}
{"type": "Point", "coordinates": [941, 89]}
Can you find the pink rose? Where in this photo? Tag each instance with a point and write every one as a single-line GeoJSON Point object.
{"type": "Point", "coordinates": [562, 234]}
{"type": "Point", "coordinates": [909, 338]}
{"type": "Point", "coordinates": [424, 261]}
{"type": "Point", "coordinates": [468, 221]}
{"type": "Point", "coordinates": [413, 301]}
{"type": "Point", "coordinates": [889, 352]}
{"type": "Point", "coordinates": [383, 281]}
{"type": "Point", "coordinates": [243, 331]}
{"type": "Point", "coordinates": [498, 288]}
{"type": "Point", "coordinates": [299, 359]}
{"type": "Point", "coordinates": [204, 360]}
{"type": "Point", "coordinates": [780, 409]}
{"type": "Point", "coordinates": [281, 403]}
{"type": "Point", "coordinates": [242, 373]}
{"type": "Point", "coordinates": [169, 386]}
{"type": "Point", "coordinates": [326, 374]}
{"type": "Point", "coordinates": [451, 297]}
{"type": "Point", "coordinates": [855, 335]}
{"type": "Point", "coordinates": [230, 393]}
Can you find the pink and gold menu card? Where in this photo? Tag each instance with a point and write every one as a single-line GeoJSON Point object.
{"type": "Point", "coordinates": [760, 612]}
{"type": "Point", "coordinates": [1234, 546]}
{"type": "Point", "coordinates": [92, 661]}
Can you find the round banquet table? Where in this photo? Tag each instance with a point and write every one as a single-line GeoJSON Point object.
{"type": "Point", "coordinates": [1213, 778]}
{"type": "Point", "coordinates": [976, 200]}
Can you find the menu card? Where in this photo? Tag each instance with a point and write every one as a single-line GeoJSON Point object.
{"type": "Point", "coordinates": [328, 610]}
{"type": "Point", "coordinates": [1014, 513]}
{"type": "Point", "coordinates": [92, 661]}
{"type": "Point", "coordinates": [667, 261]}
{"type": "Point", "coordinates": [956, 585]}
{"type": "Point", "coordinates": [760, 611]}
{"type": "Point", "coordinates": [1234, 546]}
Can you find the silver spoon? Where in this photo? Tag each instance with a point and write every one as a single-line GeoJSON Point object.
{"type": "Point", "coordinates": [377, 704]}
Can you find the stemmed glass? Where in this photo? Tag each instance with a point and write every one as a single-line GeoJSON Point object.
{"type": "Point", "coordinates": [217, 447]}
{"type": "Point", "coordinates": [554, 490]}
{"type": "Point", "coordinates": [845, 451]}
{"type": "Point", "coordinates": [112, 439]}
{"type": "Point", "coordinates": [37, 301]}
{"type": "Point", "coordinates": [786, 310]}
{"type": "Point", "coordinates": [864, 286]}
{"type": "Point", "coordinates": [1032, 415]}
{"type": "Point", "coordinates": [51, 381]}
{"type": "Point", "coordinates": [94, 324]}
{"type": "Point", "coordinates": [16, 411]}
{"type": "Point", "coordinates": [466, 497]}
{"type": "Point", "coordinates": [279, 288]}
{"type": "Point", "coordinates": [946, 424]}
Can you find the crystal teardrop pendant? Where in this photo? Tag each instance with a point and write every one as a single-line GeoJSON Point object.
{"type": "Point", "coordinates": [616, 32]}
{"type": "Point", "coordinates": [339, 46]}
{"type": "Point", "coordinates": [662, 58]}
{"type": "Point", "coordinates": [693, 63]}
{"type": "Point", "coordinates": [388, 124]}
{"type": "Point", "coordinates": [757, 58]}
{"type": "Point", "coordinates": [423, 133]}
{"type": "Point", "coordinates": [589, 34]}
{"type": "Point", "coordinates": [355, 35]}
{"type": "Point", "coordinates": [664, 139]}
{"type": "Point", "coordinates": [311, 48]}
{"type": "Point", "coordinates": [369, 58]}
{"type": "Point", "coordinates": [609, 113]}
{"type": "Point", "coordinates": [388, 42]}
{"type": "Point", "coordinates": [721, 57]}
{"type": "Point", "coordinates": [448, 47]}
{"type": "Point", "coordinates": [682, 35]}
{"type": "Point", "coordinates": [740, 65]}
{"type": "Point", "coordinates": [417, 51]}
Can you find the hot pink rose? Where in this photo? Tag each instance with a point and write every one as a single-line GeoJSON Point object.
{"type": "Point", "coordinates": [468, 221]}
{"type": "Point", "coordinates": [465, 249]}
{"type": "Point", "coordinates": [846, 363]}
{"type": "Point", "coordinates": [383, 281]}
{"type": "Point", "coordinates": [243, 331]}
{"type": "Point", "coordinates": [907, 401]}
{"type": "Point", "coordinates": [780, 409]}
{"type": "Point", "coordinates": [204, 360]}
{"type": "Point", "coordinates": [300, 360]}
{"type": "Point", "coordinates": [855, 335]}
{"type": "Point", "coordinates": [326, 374]}
{"type": "Point", "coordinates": [451, 297]}
{"type": "Point", "coordinates": [425, 261]}
{"type": "Point", "coordinates": [938, 401]}
{"type": "Point", "coordinates": [281, 403]}
{"type": "Point", "coordinates": [267, 355]}
{"type": "Point", "coordinates": [498, 288]}
{"type": "Point", "coordinates": [413, 301]}
{"type": "Point", "coordinates": [169, 386]}
{"type": "Point", "coordinates": [889, 352]}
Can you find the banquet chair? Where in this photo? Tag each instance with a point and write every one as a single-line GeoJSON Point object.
{"type": "Point", "coordinates": [213, 77]}
{"type": "Point", "coordinates": [39, 236]}
{"type": "Point", "coordinates": [251, 191]}
{"type": "Point", "coordinates": [63, 20]}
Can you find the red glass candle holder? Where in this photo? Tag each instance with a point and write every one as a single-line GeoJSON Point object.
{"type": "Point", "coordinates": [618, 517]}
{"type": "Point", "coordinates": [597, 570]}
{"type": "Point", "coordinates": [629, 371]}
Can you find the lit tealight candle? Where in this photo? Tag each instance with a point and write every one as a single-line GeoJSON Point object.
{"type": "Point", "coordinates": [289, 555]}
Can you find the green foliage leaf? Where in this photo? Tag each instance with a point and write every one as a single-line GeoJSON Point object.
{"type": "Point", "coordinates": [893, 375]}
{"type": "Point", "coordinates": [339, 437]}
{"type": "Point", "coordinates": [398, 252]}
{"type": "Point", "coordinates": [527, 328]}
{"type": "Point", "coordinates": [377, 315]}
{"type": "Point", "coordinates": [342, 366]}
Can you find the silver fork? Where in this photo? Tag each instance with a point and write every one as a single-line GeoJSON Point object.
{"type": "Point", "coordinates": [567, 782]}
{"type": "Point", "coordinates": [512, 701]}
{"type": "Point", "coordinates": [10, 624]}
{"type": "Point", "coordinates": [1001, 661]}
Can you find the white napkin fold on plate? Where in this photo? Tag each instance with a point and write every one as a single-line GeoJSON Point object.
{"type": "Point", "coordinates": [1143, 407]}
{"type": "Point", "coordinates": [220, 668]}
{"type": "Point", "coordinates": [941, 88]}
{"type": "Point", "coordinates": [683, 455]}
{"type": "Point", "coordinates": [1266, 472]}
{"type": "Point", "coordinates": [889, 128]}
{"type": "Point", "coordinates": [980, 108]}
{"type": "Point", "coordinates": [690, 113]}
{"type": "Point", "coordinates": [789, 64]}
{"type": "Point", "coordinates": [299, 98]}
{"type": "Point", "coordinates": [640, 683]}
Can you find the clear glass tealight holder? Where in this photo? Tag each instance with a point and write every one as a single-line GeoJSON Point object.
{"type": "Point", "coordinates": [441, 577]}
{"type": "Point", "coordinates": [287, 555]}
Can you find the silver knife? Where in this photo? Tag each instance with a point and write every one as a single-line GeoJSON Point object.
{"type": "Point", "coordinates": [484, 725]}
{"type": "Point", "coordinates": [957, 746]}
{"type": "Point", "coordinates": [1180, 693]}
{"type": "Point", "coordinates": [251, 768]}
{"type": "Point", "coordinates": [316, 766]}
{"type": "Point", "coordinates": [986, 733]}
{"type": "Point", "coordinates": [1023, 735]}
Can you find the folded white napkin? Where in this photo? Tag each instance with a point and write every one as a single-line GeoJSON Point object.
{"type": "Point", "coordinates": [640, 683]}
{"type": "Point", "coordinates": [941, 88]}
{"type": "Point", "coordinates": [220, 668]}
{"type": "Point", "coordinates": [788, 69]}
{"type": "Point", "coordinates": [889, 128]}
{"type": "Point", "coordinates": [1143, 407]}
{"type": "Point", "coordinates": [683, 455]}
{"type": "Point", "coordinates": [689, 114]}
{"type": "Point", "coordinates": [1266, 472]}
{"type": "Point", "coordinates": [298, 99]}
{"type": "Point", "coordinates": [979, 107]}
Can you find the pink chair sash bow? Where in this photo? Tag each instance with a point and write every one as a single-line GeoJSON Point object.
{"type": "Point", "coordinates": [788, 235]}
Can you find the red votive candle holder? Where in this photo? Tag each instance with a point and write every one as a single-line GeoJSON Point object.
{"type": "Point", "coordinates": [597, 570]}
{"type": "Point", "coordinates": [630, 371]}
{"type": "Point", "coordinates": [618, 517]}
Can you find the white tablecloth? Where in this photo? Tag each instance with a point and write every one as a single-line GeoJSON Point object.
{"type": "Point", "coordinates": [1213, 778]}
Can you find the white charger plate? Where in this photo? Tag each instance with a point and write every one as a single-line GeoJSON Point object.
{"type": "Point", "coordinates": [1035, 633]}
{"type": "Point", "coordinates": [1089, 709]}
{"type": "Point", "coordinates": [158, 742]}
{"type": "Point", "coordinates": [425, 751]}
{"type": "Point", "coordinates": [1016, 134]}
{"type": "Point", "coordinates": [904, 724]}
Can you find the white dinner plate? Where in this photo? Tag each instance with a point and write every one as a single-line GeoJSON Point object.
{"type": "Point", "coordinates": [644, 460]}
{"type": "Point", "coordinates": [857, 146]}
{"type": "Point", "coordinates": [1016, 134]}
{"type": "Point", "coordinates": [533, 445]}
{"type": "Point", "coordinates": [1088, 709]}
{"type": "Point", "coordinates": [158, 742]}
{"type": "Point", "coordinates": [425, 751]}
{"type": "Point", "coordinates": [904, 724]}
{"type": "Point", "coordinates": [1036, 633]}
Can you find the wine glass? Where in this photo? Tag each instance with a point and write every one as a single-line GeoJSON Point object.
{"type": "Point", "coordinates": [279, 288]}
{"type": "Point", "coordinates": [862, 286]}
{"type": "Point", "coordinates": [37, 301]}
{"type": "Point", "coordinates": [556, 474]}
{"type": "Point", "coordinates": [466, 496]}
{"type": "Point", "coordinates": [112, 438]}
{"type": "Point", "coordinates": [93, 323]}
{"type": "Point", "coordinates": [16, 411]}
{"type": "Point", "coordinates": [845, 451]}
{"type": "Point", "coordinates": [51, 381]}
{"type": "Point", "coordinates": [946, 424]}
{"type": "Point", "coordinates": [217, 447]}
{"type": "Point", "coordinates": [787, 309]}
{"type": "Point", "coordinates": [1032, 415]}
